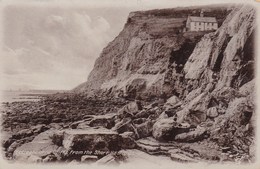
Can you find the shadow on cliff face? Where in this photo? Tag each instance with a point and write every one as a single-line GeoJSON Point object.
{"type": "Point", "coordinates": [247, 55]}
{"type": "Point", "coordinates": [181, 56]}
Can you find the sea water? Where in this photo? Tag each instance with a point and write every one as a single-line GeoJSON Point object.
{"type": "Point", "coordinates": [19, 96]}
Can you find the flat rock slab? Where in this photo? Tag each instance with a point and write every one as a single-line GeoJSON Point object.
{"type": "Point", "coordinates": [40, 146]}
{"type": "Point", "coordinates": [141, 158]}
{"type": "Point", "coordinates": [34, 149]}
{"type": "Point", "coordinates": [182, 158]}
{"type": "Point", "coordinates": [154, 147]}
{"type": "Point", "coordinates": [153, 142]}
{"type": "Point", "coordinates": [192, 136]}
{"type": "Point", "coordinates": [90, 131]}
{"type": "Point", "coordinates": [92, 140]}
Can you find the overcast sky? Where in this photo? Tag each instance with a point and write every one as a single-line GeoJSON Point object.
{"type": "Point", "coordinates": [55, 46]}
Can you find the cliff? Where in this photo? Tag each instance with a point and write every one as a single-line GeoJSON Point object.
{"type": "Point", "coordinates": [142, 58]}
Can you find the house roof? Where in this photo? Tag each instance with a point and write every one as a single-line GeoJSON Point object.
{"type": "Point", "coordinates": [202, 19]}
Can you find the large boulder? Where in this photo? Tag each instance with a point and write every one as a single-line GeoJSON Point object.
{"type": "Point", "coordinates": [107, 160]}
{"type": "Point", "coordinates": [39, 128]}
{"type": "Point", "coordinates": [192, 136]}
{"type": "Point", "coordinates": [247, 88]}
{"type": "Point", "coordinates": [22, 134]}
{"type": "Point", "coordinates": [128, 141]}
{"type": "Point", "coordinates": [196, 117]}
{"type": "Point", "coordinates": [240, 111]}
{"type": "Point", "coordinates": [10, 150]}
{"type": "Point", "coordinates": [167, 129]}
{"type": "Point", "coordinates": [107, 121]}
{"type": "Point", "coordinates": [34, 159]}
{"type": "Point", "coordinates": [91, 140]}
{"type": "Point", "coordinates": [130, 110]}
{"type": "Point", "coordinates": [200, 103]}
{"type": "Point", "coordinates": [144, 129]}
{"type": "Point", "coordinates": [173, 102]}
{"type": "Point", "coordinates": [40, 147]}
{"type": "Point", "coordinates": [124, 125]}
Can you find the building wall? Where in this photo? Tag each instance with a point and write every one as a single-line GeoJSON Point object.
{"type": "Point", "coordinates": [201, 26]}
{"type": "Point", "coordinates": [215, 26]}
{"type": "Point", "coordinates": [192, 26]}
{"type": "Point", "coordinates": [208, 26]}
{"type": "Point", "coordinates": [188, 24]}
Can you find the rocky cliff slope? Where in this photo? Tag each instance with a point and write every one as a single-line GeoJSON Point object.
{"type": "Point", "coordinates": [148, 54]}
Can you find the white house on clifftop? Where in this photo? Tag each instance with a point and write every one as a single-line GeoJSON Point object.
{"type": "Point", "coordinates": [201, 23]}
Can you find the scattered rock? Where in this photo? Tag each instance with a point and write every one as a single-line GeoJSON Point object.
{"type": "Point", "coordinates": [154, 147]}
{"type": "Point", "coordinates": [50, 158]}
{"type": "Point", "coordinates": [106, 121]}
{"type": "Point", "coordinates": [200, 103]}
{"type": "Point", "coordinates": [107, 160]}
{"type": "Point", "coordinates": [13, 147]}
{"type": "Point", "coordinates": [212, 112]}
{"type": "Point", "coordinates": [128, 141]}
{"type": "Point", "coordinates": [192, 136]}
{"type": "Point", "coordinates": [57, 120]}
{"type": "Point", "coordinates": [247, 88]}
{"type": "Point", "coordinates": [34, 159]}
{"type": "Point", "coordinates": [130, 110]}
{"type": "Point", "coordinates": [196, 117]}
{"type": "Point", "coordinates": [7, 142]}
{"type": "Point", "coordinates": [143, 114]}
{"type": "Point", "coordinates": [55, 126]}
{"type": "Point", "coordinates": [40, 128]}
{"type": "Point", "coordinates": [40, 146]}
{"type": "Point", "coordinates": [179, 157]}
{"type": "Point", "coordinates": [89, 158]}
{"type": "Point", "coordinates": [84, 125]}
{"type": "Point", "coordinates": [225, 149]}
{"type": "Point", "coordinates": [124, 125]}
{"type": "Point", "coordinates": [167, 129]}
{"type": "Point", "coordinates": [91, 140]}
{"type": "Point", "coordinates": [144, 129]}
{"type": "Point", "coordinates": [173, 102]}
{"type": "Point", "coordinates": [22, 134]}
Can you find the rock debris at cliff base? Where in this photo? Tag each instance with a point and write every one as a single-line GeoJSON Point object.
{"type": "Point", "coordinates": [184, 96]}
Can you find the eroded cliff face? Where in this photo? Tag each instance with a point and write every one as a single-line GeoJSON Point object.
{"type": "Point", "coordinates": [148, 56]}
{"type": "Point", "coordinates": [153, 57]}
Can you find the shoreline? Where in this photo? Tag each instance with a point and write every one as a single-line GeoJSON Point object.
{"type": "Point", "coordinates": [56, 117]}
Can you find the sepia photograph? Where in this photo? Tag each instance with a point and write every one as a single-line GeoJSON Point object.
{"type": "Point", "coordinates": [129, 83]}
